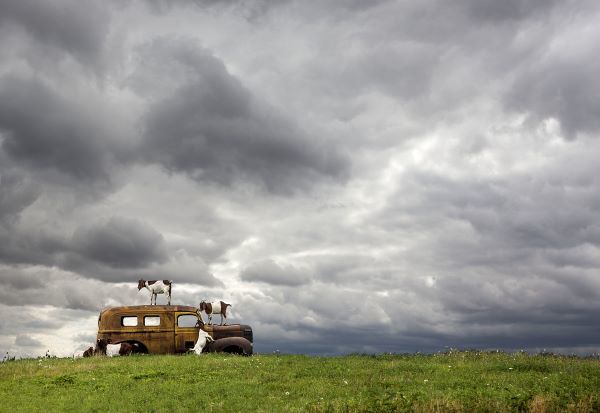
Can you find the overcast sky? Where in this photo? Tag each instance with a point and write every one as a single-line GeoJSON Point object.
{"type": "Point", "coordinates": [353, 176]}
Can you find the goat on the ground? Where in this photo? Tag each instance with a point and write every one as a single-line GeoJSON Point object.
{"type": "Point", "coordinates": [113, 350]}
{"type": "Point", "coordinates": [110, 350]}
{"type": "Point", "coordinates": [128, 349]}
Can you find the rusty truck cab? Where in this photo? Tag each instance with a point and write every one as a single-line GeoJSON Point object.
{"type": "Point", "coordinates": [169, 329]}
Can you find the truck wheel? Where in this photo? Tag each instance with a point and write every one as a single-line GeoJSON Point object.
{"type": "Point", "coordinates": [233, 350]}
{"type": "Point", "coordinates": [232, 345]}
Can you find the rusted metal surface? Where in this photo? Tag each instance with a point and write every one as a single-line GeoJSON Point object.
{"type": "Point", "coordinates": [158, 329]}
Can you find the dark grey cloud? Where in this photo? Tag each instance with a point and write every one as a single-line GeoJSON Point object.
{"type": "Point", "coordinates": [117, 249]}
{"type": "Point", "coordinates": [23, 340]}
{"type": "Point", "coordinates": [49, 131]}
{"type": "Point", "coordinates": [75, 27]}
{"type": "Point", "coordinates": [16, 193]}
{"type": "Point", "coordinates": [121, 243]}
{"type": "Point", "coordinates": [20, 280]}
{"type": "Point", "coordinates": [71, 292]}
{"type": "Point", "coordinates": [493, 11]}
{"type": "Point", "coordinates": [560, 86]}
{"type": "Point", "coordinates": [510, 317]}
{"type": "Point", "coordinates": [270, 272]}
{"type": "Point", "coordinates": [249, 10]}
{"type": "Point", "coordinates": [31, 247]}
{"type": "Point", "coordinates": [435, 57]}
{"type": "Point", "coordinates": [523, 211]}
{"type": "Point", "coordinates": [68, 291]}
{"type": "Point", "coordinates": [215, 130]}
{"type": "Point", "coordinates": [190, 271]}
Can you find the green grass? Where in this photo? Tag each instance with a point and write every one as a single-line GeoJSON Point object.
{"type": "Point", "coordinates": [458, 381]}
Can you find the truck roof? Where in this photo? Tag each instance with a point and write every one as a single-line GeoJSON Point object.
{"type": "Point", "coordinates": [148, 308]}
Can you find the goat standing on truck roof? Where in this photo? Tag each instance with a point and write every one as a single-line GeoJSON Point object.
{"type": "Point", "coordinates": [218, 307]}
{"type": "Point", "coordinates": [157, 287]}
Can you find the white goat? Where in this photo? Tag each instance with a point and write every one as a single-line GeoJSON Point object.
{"type": "Point", "coordinates": [203, 340]}
{"type": "Point", "coordinates": [157, 287]}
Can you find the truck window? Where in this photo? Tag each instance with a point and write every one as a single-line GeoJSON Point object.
{"type": "Point", "coordinates": [129, 321]}
{"type": "Point", "coordinates": [187, 320]}
{"type": "Point", "coordinates": [152, 320]}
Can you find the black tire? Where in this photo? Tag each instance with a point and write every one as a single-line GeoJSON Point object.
{"type": "Point", "coordinates": [231, 345]}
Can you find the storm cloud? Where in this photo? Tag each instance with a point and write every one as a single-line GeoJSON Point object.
{"type": "Point", "coordinates": [44, 130]}
{"type": "Point", "coordinates": [16, 194]}
{"type": "Point", "coordinates": [271, 273]}
{"type": "Point", "coordinates": [214, 129]}
{"type": "Point", "coordinates": [121, 243]}
{"type": "Point", "coordinates": [351, 176]}
{"type": "Point", "coordinates": [77, 28]}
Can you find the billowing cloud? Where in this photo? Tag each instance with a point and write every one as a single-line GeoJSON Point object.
{"type": "Point", "coordinates": [23, 340]}
{"type": "Point", "coordinates": [44, 129]}
{"type": "Point", "coordinates": [271, 273]}
{"type": "Point", "coordinates": [559, 85]}
{"type": "Point", "coordinates": [75, 27]}
{"type": "Point", "coordinates": [121, 243]}
{"type": "Point", "coordinates": [16, 194]}
{"type": "Point", "coordinates": [214, 129]}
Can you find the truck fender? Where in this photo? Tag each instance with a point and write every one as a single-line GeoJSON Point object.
{"type": "Point", "coordinates": [234, 345]}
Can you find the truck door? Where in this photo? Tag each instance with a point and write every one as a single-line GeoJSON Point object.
{"type": "Point", "coordinates": [186, 331]}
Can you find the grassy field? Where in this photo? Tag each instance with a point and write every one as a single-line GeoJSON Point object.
{"type": "Point", "coordinates": [458, 381]}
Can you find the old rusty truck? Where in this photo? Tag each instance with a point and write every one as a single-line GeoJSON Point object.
{"type": "Point", "coordinates": [169, 329]}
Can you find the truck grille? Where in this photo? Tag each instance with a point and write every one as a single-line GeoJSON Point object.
{"type": "Point", "coordinates": [248, 334]}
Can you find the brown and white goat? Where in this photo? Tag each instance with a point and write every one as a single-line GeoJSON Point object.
{"type": "Point", "coordinates": [110, 350]}
{"type": "Point", "coordinates": [127, 349]}
{"type": "Point", "coordinates": [157, 287]}
{"type": "Point", "coordinates": [218, 307]}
